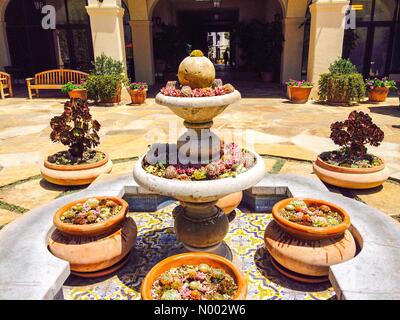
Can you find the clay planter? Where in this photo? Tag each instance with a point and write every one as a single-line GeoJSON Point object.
{"type": "Point", "coordinates": [74, 175]}
{"type": "Point", "coordinates": [378, 94]}
{"type": "Point", "coordinates": [194, 258]}
{"type": "Point", "coordinates": [230, 202]}
{"type": "Point", "coordinates": [95, 229]}
{"type": "Point", "coordinates": [138, 96]}
{"type": "Point", "coordinates": [299, 95]}
{"type": "Point", "coordinates": [95, 256]}
{"type": "Point", "coordinates": [311, 233]}
{"type": "Point", "coordinates": [307, 261]}
{"type": "Point", "coordinates": [352, 178]}
{"type": "Point", "coordinates": [78, 94]}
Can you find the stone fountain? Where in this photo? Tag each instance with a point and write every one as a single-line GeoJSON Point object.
{"type": "Point", "coordinates": [199, 224]}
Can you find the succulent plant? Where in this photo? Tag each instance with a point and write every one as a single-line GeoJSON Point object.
{"type": "Point", "coordinates": [75, 128]}
{"type": "Point", "coordinates": [186, 91]}
{"type": "Point", "coordinates": [247, 160]}
{"type": "Point", "coordinates": [199, 174]}
{"type": "Point", "coordinates": [212, 170]}
{"type": "Point", "coordinates": [354, 133]}
{"type": "Point", "coordinates": [171, 172]}
{"type": "Point", "coordinates": [229, 88]}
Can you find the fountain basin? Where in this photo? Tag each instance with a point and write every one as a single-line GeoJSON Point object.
{"type": "Point", "coordinates": [200, 191]}
{"type": "Point", "coordinates": [198, 110]}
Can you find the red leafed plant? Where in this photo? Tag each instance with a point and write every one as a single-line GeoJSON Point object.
{"type": "Point", "coordinates": [354, 134]}
{"type": "Point", "coordinates": [75, 128]}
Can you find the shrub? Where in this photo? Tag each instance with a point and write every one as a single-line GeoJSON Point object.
{"type": "Point", "coordinates": [71, 86]}
{"type": "Point", "coordinates": [105, 80]}
{"type": "Point", "coordinates": [342, 83]}
{"type": "Point", "coordinates": [75, 128]}
{"type": "Point", "coordinates": [353, 134]}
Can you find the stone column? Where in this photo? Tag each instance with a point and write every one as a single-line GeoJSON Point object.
{"type": "Point", "coordinates": [326, 37]}
{"type": "Point", "coordinates": [4, 51]}
{"type": "Point", "coordinates": [143, 50]}
{"type": "Point", "coordinates": [106, 22]}
{"type": "Point", "coordinates": [293, 48]}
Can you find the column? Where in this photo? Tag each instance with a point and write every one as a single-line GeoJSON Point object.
{"type": "Point", "coordinates": [4, 51]}
{"type": "Point", "coordinates": [326, 37]}
{"type": "Point", "coordinates": [293, 48]}
{"type": "Point", "coordinates": [106, 22]}
{"type": "Point", "coordinates": [143, 50]}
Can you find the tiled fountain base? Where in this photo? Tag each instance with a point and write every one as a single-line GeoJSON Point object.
{"type": "Point", "coordinates": [156, 241]}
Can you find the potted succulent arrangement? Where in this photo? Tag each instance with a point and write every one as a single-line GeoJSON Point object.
{"type": "Point", "coordinates": [378, 89]}
{"type": "Point", "coordinates": [138, 92]}
{"type": "Point", "coordinates": [182, 277]}
{"type": "Point", "coordinates": [75, 91]}
{"type": "Point", "coordinates": [342, 84]}
{"type": "Point", "coordinates": [299, 91]}
{"type": "Point", "coordinates": [104, 83]}
{"type": "Point", "coordinates": [352, 166]}
{"type": "Point", "coordinates": [80, 164]}
{"type": "Point", "coordinates": [93, 235]}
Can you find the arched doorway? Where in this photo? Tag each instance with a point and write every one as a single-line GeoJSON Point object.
{"type": "Point", "coordinates": [212, 26]}
{"type": "Point", "coordinates": [34, 49]}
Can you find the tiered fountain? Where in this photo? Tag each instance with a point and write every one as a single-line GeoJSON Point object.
{"type": "Point", "coordinates": [199, 224]}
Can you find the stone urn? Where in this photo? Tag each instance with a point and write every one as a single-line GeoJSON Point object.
{"type": "Point", "coordinates": [194, 258]}
{"type": "Point", "coordinates": [74, 175]}
{"type": "Point", "coordinates": [351, 178]}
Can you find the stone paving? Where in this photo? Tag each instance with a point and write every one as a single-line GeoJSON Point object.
{"type": "Point", "coordinates": [287, 136]}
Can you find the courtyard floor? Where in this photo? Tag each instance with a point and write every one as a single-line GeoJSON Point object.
{"type": "Point", "coordinates": [287, 136]}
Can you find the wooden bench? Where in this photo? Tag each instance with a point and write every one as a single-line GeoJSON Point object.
{"type": "Point", "coordinates": [5, 83]}
{"type": "Point", "coordinates": [54, 80]}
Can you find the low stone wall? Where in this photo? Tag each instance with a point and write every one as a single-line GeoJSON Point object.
{"type": "Point", "coordinates": [29, 271]}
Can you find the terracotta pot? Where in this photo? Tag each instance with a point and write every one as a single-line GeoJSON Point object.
{"type": "Point", "coordinates": [230, 202]}
{"type": "Point", "coordinates": [378, 94]}
{"type": "Point", "coordinates": [310, 258]}
{"type": "Point", "coordinates": [352, 178]}
{"type": "Point", "coordinates": [91, 254]}
{"type": "Point", "coordinates": [299, 95]}
{"type": "Point", "coordinates": [78, 94]}
{"type": "Point", "coordinates": [267, 76]}
{"type": "Point", "coordinates": [311, 233]}
{"type": "Point", "coordinates": [74, 175]}
{"type": "Point", "coordinates": [194, 258]}
{"type": "Point", "coordinates": [95, 229]}
{"type": "Point", "coordinates": [138, 96]}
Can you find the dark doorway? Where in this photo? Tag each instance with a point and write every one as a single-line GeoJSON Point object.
{"type": "Point", "coordinates": [197, 25]}
{"type": "Point", "coordinates": [31, 47]}
{"type": "Point", "coordinates": [34, 49]}
{"type": "Point", "coordinates": [370, 46]}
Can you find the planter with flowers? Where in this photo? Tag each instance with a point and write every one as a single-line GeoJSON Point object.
{"type": "Point", "coordinates": [352, 166]}
{"type": "Point", "coordinates": [80, 164]}
{"type": "Point", "coordinates": [75, 91]}
{"type": "Point", "coordinates": [299, 91]}
{"type": "Point", "coordinates": [138, 92]}
{"type": "Point", "coordinates": [378, 89]}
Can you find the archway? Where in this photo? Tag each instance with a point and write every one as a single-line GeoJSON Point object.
{"type": "Point", "coordinates": [215, 30]}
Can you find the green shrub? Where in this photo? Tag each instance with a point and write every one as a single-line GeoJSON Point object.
{"type": "Point", "coordinates": [342, 83]}
{"type": "Point", "coordinates": [71, 86]}
{"type": "Point", "coordinates": [105, 80]}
